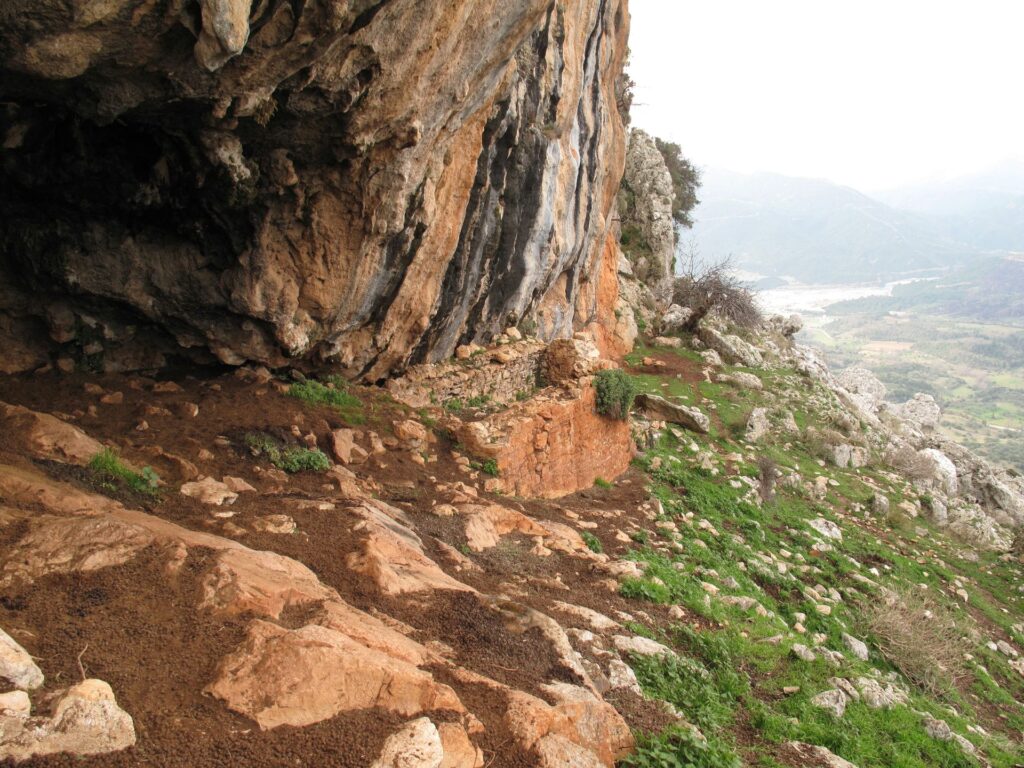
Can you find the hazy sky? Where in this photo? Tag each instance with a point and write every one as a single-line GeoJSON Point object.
{"type": "Point", "coordinates": [872, 93]}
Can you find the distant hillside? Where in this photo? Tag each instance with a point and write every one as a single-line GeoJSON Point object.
{"type": "Point", "coordinates": [984, 209]}
{"type": "Point", "coordinates": [814, 230]}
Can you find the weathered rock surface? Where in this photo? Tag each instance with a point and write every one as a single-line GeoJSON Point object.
{"type": "Point", "coordinates": [86, 721]}
{"type": "Point", "coordinates": [392, 554]}
{"type": "Point", "coordinates": [646, 208]}
{"type": "Point", "coordinates": [16, 666]}
{"type": "Point", "coordinates": [417, 745]}
{"type": "Point", "coordinates": [210, 491]}
{"type": "Point", "coordinates": [862, 384]}
{"type": "Point", "coordinates": [660, 409]}
{"type": "Point", "coordinates": [298, 677]}
{"type": "Point", "coordinates": [732, 349]}
{"type": "Point", "coordinates": [374, 183]}
{"type": "Point", "coordinates": [46, 437]}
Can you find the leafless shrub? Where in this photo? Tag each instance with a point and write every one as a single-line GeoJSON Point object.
{"type": "Point", "coordinates": [821, 441]}
{"type": "Point", "coordinates": [919, 637]}
{"type": "Point", "coordinates": [848, 425]}
{"type": "Point", "coordinates": [1018, 543]}
{"type": "Point", "coordinates": [767, 473]}
{"type": "Point", "coordinates": [705, 287]}
{"type": "Point", "coordinates": [909, 462]}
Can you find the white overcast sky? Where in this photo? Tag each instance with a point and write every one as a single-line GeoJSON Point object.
{"type": "Point", "coordinates": [872, 93]}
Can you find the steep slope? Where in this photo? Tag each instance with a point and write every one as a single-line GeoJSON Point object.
{"type": "Point", "coordinates": [342, 576]}
{"type": "Point", "coordinates": [367, 182]}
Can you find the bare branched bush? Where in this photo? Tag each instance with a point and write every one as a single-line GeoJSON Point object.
{"type": "Point", "coordinates": [909, 462]}
{"type": "Point", "coordinates": [1018, 543]}
{"type": "Point", "coordinates": [767, 474]}
{"type": "Point", "coordinates": [919, 637]}
{"type": "Point", "coordinates": [821, 441]}
{"type": "Point", "coordinates": [705, 287]}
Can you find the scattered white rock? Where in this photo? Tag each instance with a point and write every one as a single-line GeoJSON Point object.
{"type": "Point", "coordinates": [833, 701]}
{"type": "Point", "coordinates": [86, 721]}
{"type": "Point", "coordinates": [641, 646]}
{"type": "Point", "coordinates": [857, 647]}
{"type": "Point", "coordinates": [209, 491]}
{"type": "Point", "coordinates": [16, 666]}
{"type": "Point", "coordinates": [826, 528]}
{"type": "Point", "coordinates": [416, 745]}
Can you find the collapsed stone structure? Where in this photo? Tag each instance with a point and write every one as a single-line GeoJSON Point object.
{"type": "Point", "coordinates": [540, 424]}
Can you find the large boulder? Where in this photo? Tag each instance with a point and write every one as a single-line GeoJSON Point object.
{"type": "Point", "coordinates": [921, 413]}
{"type": "Point", "coordinates": [758, 425]}
{"type": "Point", "coordinates": [971, 523]}
{"type": "Point", "coordinates": [659, 409]}
{"type": "Point", "coordinates": [787, 326]}
{"type": "Point", "coordinates": [942, 471]}
{"type": "Point", "coordinates": [731, 348]}
{"type": "Point", "coordinates": [675, 318]}
{"type": "Point", "coordinates": [864, 385]}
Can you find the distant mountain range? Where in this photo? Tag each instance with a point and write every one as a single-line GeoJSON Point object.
{"type": "Point", "coordinates": [984, 209]}
{"type": "Point", "coordinates": [817, 231]}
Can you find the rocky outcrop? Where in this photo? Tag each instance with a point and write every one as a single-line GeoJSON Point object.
{"type": "Point", "coordinates": [645, 212]}
{"type": "Point", "coordinates": [303, 654]}
{"type": "Point", "coordinates": [372, 183]}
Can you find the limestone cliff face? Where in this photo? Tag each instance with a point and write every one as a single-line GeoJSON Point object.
{"type": "Point", "coordinates": [367, 182]}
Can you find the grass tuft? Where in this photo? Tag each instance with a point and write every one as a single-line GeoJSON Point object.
{"type": "Point", "coordinates": [112, 473]}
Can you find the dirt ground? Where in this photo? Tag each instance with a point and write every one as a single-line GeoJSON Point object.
{"type": "Point", "coordinates": [158, 650]}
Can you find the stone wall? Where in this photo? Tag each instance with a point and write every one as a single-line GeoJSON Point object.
{"type": "Point", "coordinates": [552, 445]}
{"type": "Point", "coordinates": [502, 374]}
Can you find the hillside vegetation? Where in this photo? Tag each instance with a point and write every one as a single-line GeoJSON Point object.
{"type": "Point", "coordinates": [811, 611]}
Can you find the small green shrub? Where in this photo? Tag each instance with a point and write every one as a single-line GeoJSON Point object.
{"type": "Point", "coordinates": [593, 543]}
{"type": "Point", "coordinates": [616, 391]}
{"type": "Point", "coordinates": [490, 467]}
{"type": "Point", "coordinates": [600, 482]}
{"type": "Point", "coordinates": [641, 589]}
{"type": "Point", "coordinates": [454, 405]}
{"type": "Point", "coordinates": [294, 459]}
{"type": "Point", "coordinates": [112, 473]}
{"type": "Point", "coordinates": [681, 748]}
{"type": "Point", "coordinates": [291, 459]}
{"type": "Point", "coordinates": [480, 401]}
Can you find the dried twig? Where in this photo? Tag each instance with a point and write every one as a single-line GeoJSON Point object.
{"type": "Point", "coordinates": [81, 667]}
